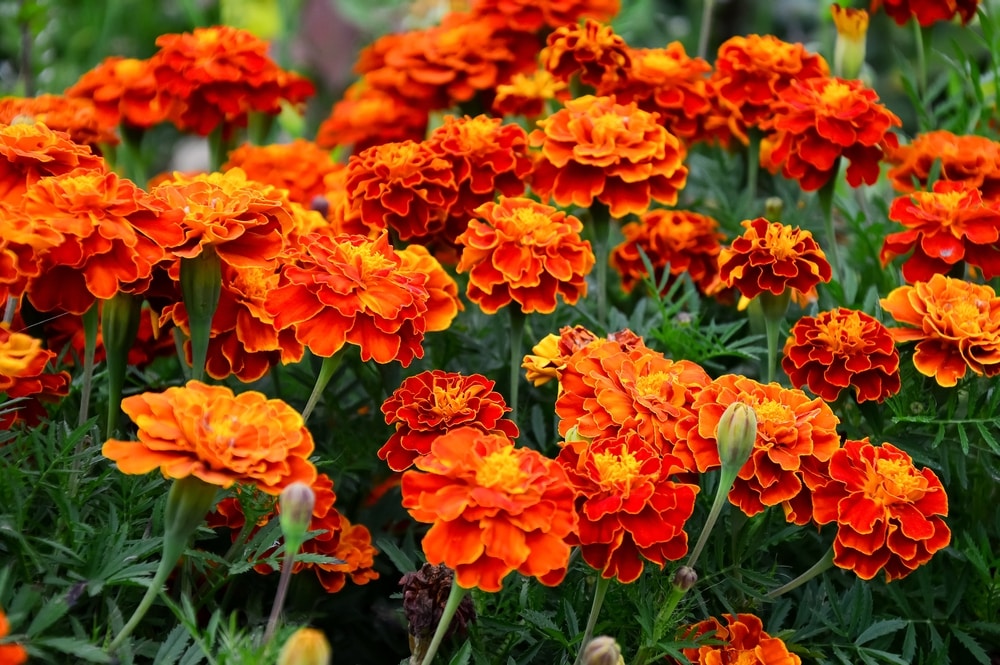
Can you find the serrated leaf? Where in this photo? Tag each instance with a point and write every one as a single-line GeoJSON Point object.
{"type": "Point", "coordinates": [878, 629]}
{"type": "Point", "coordinates": [76, 648]}
{"type": "Point", "coordinates": [399, 558]}
{"type": "Point", "coordinates": [971, 646]}
{"type": "Point", "coordinates": [172, 648]}
{"type": "Point", "coordinates": [909, 643]}
{"type": "Point", "coordinates": [51, 612]}
{"type": "Point", "coordinates": [463, 656]}
{"type": "Point", "coordinates": [988, 437]}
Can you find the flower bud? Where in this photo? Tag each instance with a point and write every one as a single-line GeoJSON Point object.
{"type": "Point", "coordinates": [296, 504]}
{"type": "Point", "coordinates": [849, 51]}
{"type": "Point", "coordinates": [685, 578]}
{"type": "Point", "coordinates": [736, 434]}
{"type": "Point", "coordinates": [774, 206]}
{"type": "Point", "coordinates": [306, 646]}
{"type": "Point", "coordinates": [602, 650]}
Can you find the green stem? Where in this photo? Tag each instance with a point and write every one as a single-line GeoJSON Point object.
{"type": "Point", "coordinates": [921, 36]}
{"type": "Point", "coordinates": [726, 479]}
{"type": "Point", "coordinates": [647, 651]}
{"type": "Point", "coordinates": [326, 372]}
{"type": "Point", "coordinates": [819, 567]}
{"type": "Point", "coordinates": [600, 590]}
{"type": "Point", "coordinates": [825, 197]}
{"type": "Point", "coordinates": [774, 308]}
{"type": "Point", "coordinates": [119, 324]}
{"type": "Point", "coordinates": [90, 320]}
{"type": "Point", "coordinates": [279, 598]}
{"type": "Point", "coordinates": [455, 597]}
{"type": "Point", "coordinates": [516, 334]}
{"type": "Point", "coordinates": [600, 218]}
{"type": "Point", "coordinates": [201, 286]}
{"type": "Point", "coordinates": [771, 330]}
{"type": "Point", "coordinates": [706, 27]}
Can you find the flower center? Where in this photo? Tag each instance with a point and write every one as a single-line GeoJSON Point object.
{"type": "Point", "coordinates": [365, 261]}
{"type": "Point", "coordinates": [651, 385]}
{"type": "Point", "coordinates": [842, 334]}
{"type": "Point", "coordinates": [745, 657]}
{"type": "Point", "coordinates": [771, 411]}
{"type": "Point", "coordinates": [254, 283]}
{"type": "Point", "coordinates": [607, 127]}
{"type": "Point", "coordinates": [502, 469]}
{"type": "Point", "coordinates": [449, 401]}
{"type": "Point", "coordinates": [835, 93]}
{"type": "Point", "coordinates": [780, 241]}
{"type": "Point", "coordinates": [479, 135]}
{"type": "Point", "coordinates": [528, 223]}
{"type": "Point", "coordinates": [897, 482]}
{"type": "Point", "coordinates": [617, 471]}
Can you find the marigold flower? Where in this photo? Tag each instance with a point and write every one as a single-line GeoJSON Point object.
{"type": "Point", "coordinates": [742, 639]}
{"type": "Point", "coordinates": [10, 654]}
{"type": "Point", "coordinates": [533, 15]}
{"type": "Point", "coordinates": [76, 116]}
{"type": "Point", "coordinates": [595, 148]}
{"type": "Point", "coordinates": [123, 90]}
{"type": "Point", "coordinates": [969, 158]}
{"type": "Point", "coordinates": [842, 349]}
{"type": "Point", "coordinates": [443, 303]}
{"type": "Point", "coordinates": [770, 256]}
{"type": "Point", "coordinates": [548, 358]}
{"type": "Point", "coordinates": [684, 241]}
{"type": "Point", "coordinates": [628, 506]}
{"type": "Point", "coordinates": [849, 49]}
{"type": "Point", "coordinates": [221, 438]}
{"type": "Point", "coordinates": [493, 509]}
{"type": "Point", "coordinates": [23, 378]}
{"type": "Point", "coordinates": [299, 167]}
{"type": "Point", "coordinates": [791, 428]}
{"type": "Point", "coordinates": [349, 289]}
{"type": "Point", "coordinates": [367, 117]}
{"type": "Point", "coordinates": [521, 251]}
{"type": "Point", "coordinates": [927, 12]}
{"type": "Point", "coordinates": [888, 513]}
{"type": "Point", "coordinates": [433, 403]}
{"type": "Point", "coordinates": [23, 242]}
{"type": "Point", "coordinates": [945, 227]}
{"type": "Point", "coordinates": [352, 544]}
{"type": "Point", "coordinates": [956, 327]}
{"type": "Point", "coordinates": [592, 50]}
{"type": "Point", "coordinates": [529, 94]}
{"type": "Point", "coordinates": [29, 152]}
{"type": "Point", "coordinates": [816, 121]}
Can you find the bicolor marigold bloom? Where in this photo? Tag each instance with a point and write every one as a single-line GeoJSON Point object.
{"type": "Point", "coordinates": [968, 158]}
{"type": "Point", "coordinates": [927, 12]}
{"type": "Point", "coordinates": [123, 90]}
{"type": "Point", "coordinates": [791, 428]}
{"type": "Point", "coordinates": [770, 256]}
{"type": "Point", "coordinates": [888, 513]}
{"type": "Point", "coordinates": [529, 94]}
{"type": "Point", "coordinates": [31, 151]}
{"type": "Point", "coordinates": [298, 167]}
{"type": "Point", "coordinates": [350, 289]}
{"type": "Point", "coordinates": [630, 509]}
{"type": "Point", "coordinates": [10, 654]}
{"type": "Point", "coordinates": [956, 325]}
{"type": "Point", "coordinates": [548, 358]}
{"type": "Point", "coordinates": [592, 50]}
{"type": "Point", "coordinates": [685, 241]}
{"type": "Point", "coordinates": [945, 227]}
{"type": "Point", "coordinates": [367, 117]}
{"type": "Point", "coordinates": [221, 438]}
{"type": "Point", "coordinates": [741, 640]}
{"type": "Point", "coordinates": [534, 15]}
{"type": "Point", "coordinates": [443, 303]}
{"type": "Point", "coordinates": [76, 116]}
{"type": "Point", "coordinates": [842, 349]}
{"type": "Point", "coordinates": [816, 121]}
{"type": "Point", "coordinates": [594, 148]}
{"type": "Point", "coordinates": [518, 250]}
{"type": "Point", "coordinates": [22, 244]}
{"type": "Point", "coordinates": [433, 403]}
{"type": "Point", "coordinates": [493, 509]}
{"type": "Point", "coordinates": [23, 378]}
{"type": "Point", "coordinates": [217, 75]}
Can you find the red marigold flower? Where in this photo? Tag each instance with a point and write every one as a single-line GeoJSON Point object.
{"type": "Point", "coordinates": [349, 289]}
{"type": "Point", "coordinates": [534, 15]}
{"type": "Point", "coordinates": [217, 75]}
{"type": "Point", "coordinates": [367, 117]}
{"type": "Point", "coordinates": [443, 303]}
{"type": "Point", "coordinates": [927, 12]}
{"type": "Point", "coordinates": [741, 640]}
{"type": "Point", "coordinates": [123, 90]}
{"type": "Point", "coordinates": [299, 167]}
{"type": "Point", "coordinates": [770, 256]}
{"type": "Point", "coordinates": [212, 434]}
{"type": "Point", "coordinates": [29, 152]}
{"type": "Point", "coordinates": [685, 241]}
{"type": "Point", "coordinates": [493, 509]}
{"type": "Point", "coordinates": [956, 327]}
{"type": "Point", "coordinates": [969, 158]}
{"type": "Point", "coordinates": [628, 506]}
{"type": "Point", "coordinates": [816, 121]}
{"type": "Point", "coordinates": [529, 94]}
{"type": "Point", "coordinates": [842, 349]}
{"type": "Point", "coordinates": [526, 252]}
{"type": "Point", "coordinates": [791, 427]}
{"type": "Point", "coordinates": [10, 654]}
{"type": "Point", "coordinates": [943, 228]}
{"type": "Point", "coordinates": [888, 513]}
{"type": "Point", "coordinates": [24, 381]}
{"type": "Point", "coordinates": [432, 403]}
{"type": "Point", "coordinates": [76, 116]}
{"type": "Point", "coordinates": [595, 148]}
{"type": "Point", "coordinates": [592, 50]}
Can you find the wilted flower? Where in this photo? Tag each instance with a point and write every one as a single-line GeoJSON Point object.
{"type": "Point", "coordinates": [425, 593]}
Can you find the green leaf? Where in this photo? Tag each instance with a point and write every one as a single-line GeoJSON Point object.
{"type": "Point", "coordinates": [172, 648]}
{"type": "Point", "coordinates": [399, 558]}
{"type": "Point", "coordinates": [463, 656]}
{"type": "Point", "coordinates": [79, 649]}
{"type": "Point", "coordinates": [53, 610]}
{"type": "Point", "coordinates": [909, 643]}
{"type": "Point", "coordinates": [878, 629]}
{"type": "Point", "coordinates": [971, 646]}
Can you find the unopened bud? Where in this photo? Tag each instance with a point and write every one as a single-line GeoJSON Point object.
{"type": "Point", "coordinates": [685, 578]}
{"type": "Point", "coordinates": [296, 504]}
{"type": "Point", "coordinates": [773, 207]}
{"type": "Point", "coordinates": [736, 434]}
{"type": "Point", "coordinates": [306, 646]}
{"type": "Point", "coordinates": [849, 51]}
{"type": "Point", "coordinates": [602, 650]}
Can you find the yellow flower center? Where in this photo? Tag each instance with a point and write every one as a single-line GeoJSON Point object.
{"type": "Point", "coordinates": [781, 241]}
{"type": "Point", "coordinates": [658, 61]}
{"type": "Point", "coordinates": [365, 261]}
{"type": "Point", "coordinates": [607, 127]}
{"type": "Point", "coordinates": [479, 135]}
{"type": "Point", "coordinates": [651, 385]}
{"type": "Point", "coordinates": [449, 401]}
{"type": "Point", "coordinates": [541, 85]}
{"type": "Point", "coordinates": [897, 482]}
{"type": "Point", "coordinates": [835, 93]}
{"type": "Point", "coordinates": [842, 334]}
{"type": "Point", "coordinates": [502, 469]}
{"type": "Point", "coordinates": [745, 657]}
{"type": "Point", "coordinates": [254, 283]}
{"type": "Point", "coordinates": [531, 225]}
{"type": "Point", "coordinates": [129, 68]}
{"type": "Point", "coordinates": [772, 411]}
{"type": "Point", "coordinates": [617, 471]}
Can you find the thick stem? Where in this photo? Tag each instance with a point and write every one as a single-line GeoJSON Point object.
{"type": "Point", "coordinates": [455, 597]}
{"type": "Point", "coordinates": [119, 325]}
{"type": "Point", "coordinates": [516, 334]}
{"type": "Point", "coordinates": [706, 27]}
{"type": "Point", "coordinates": [825, 197]}
{"type": "Point", "coordinates": [600, 590]}
{"type": "Point", "coordinates": [819, 567]}
{"type": "Point", "coordinates": [90, 319]}
{"type": "Point", "coordinates": [600, 218]}
{"type": "Point", "coordinates": [326, 372]}
{"type": "Point", "coordinates": [201, 286]}
{"type": "Point", "coordinates": [774, 308]}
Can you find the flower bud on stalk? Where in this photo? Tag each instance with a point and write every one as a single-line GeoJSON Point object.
{"type": "Point", "coordinates": [737, 431]}
{"type": "Point", "coordinates": [849, 51]}
{"type": "Point", "coordinates": [306, 646]}
{"type": "Point", "coordinates": [296, 502]}
{"type": "Point", "coordinates": [603, 650]}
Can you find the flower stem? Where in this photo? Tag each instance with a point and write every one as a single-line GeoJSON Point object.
{"type": "Point", "coordinates": [89, 350]}
{"type": "Point", "coordinates": [10, 310]}
{"type": "Point", "coordinates": [600, 590]}
{"type": "Point", "coordinates": [825, 196]}
{"type": "Point", "coordinates": [821, 566]}
{"type": "Point", "coordinates": [600, 218]}
{"type": "Point", "coordinates": [922, 37]}
{"type": "Point", "coordinates": [201, 286]}
{"type": "Point", "coordinates": [706, 27]}
{"type": "Point", "coordinates": [455, 597]}
{"type": "Point", "coordinates": [774, 308]}
{"type": "Point", "coordinates": [646, 652]}
{"type": "Point", "coordinates": [516, 333]}
{"type": "Point", "coordinates": [120, 324]}
{"type": "Point", "coordinates": [279, 598]}
{"type": "Point", "coordinates": [326, 372]}
{"type": "Point", "coordinates": [771, 330]}
{"type": "Point", "coordinates": [726, 479]}
{"type": "Point", "coordinates": [753, 163]}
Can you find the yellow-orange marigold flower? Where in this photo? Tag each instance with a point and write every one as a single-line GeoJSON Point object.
{"type": "Point", "coordinates": [123, 90]}
{"type": "Point", "coordinates": [529, 94]}
{"type": "Point", "coordinates": [842, 349]}
{"type": "Point", "coordinates": [78, 117]}
{"type": "Point", "coordinates": [493, 509]}
{"type": "Point", "coordinates": [592, 50]}
{"type": "Point", "coordinates": [299, 167]}
{"type": "Point", "coordinates": [526, 252]}
{"type": "Point", "coordinates": [595, 148]}
{"type": "Point", "coordinates": [534, 15]}
{"type": "Point", "coordinates": [770, 256]}
{"type": "Point", "coordinates": [23, 378]}
{"type": "Point", "coordinates": [23, 241]}
{"type": "Point", "coordinates": [10, 654]}
{"type": "Point", "coordinates": [956, 325]}
{"type": "Point", "coordinates": [367, 117]}
{"type": "Point", "coordinates": [221, 438]}
{"type": "Point", "coordinates": [927, 12]}
{"type": "Point", "coordinates": [741, 641]}
{"type": "Point", "coordinates": [443, 303]}
{"type": "Point", "coordinates": [31, 151]}
{"type": "Point", "coordinates": [549, 357]}
{"type": "Point", "coordinates": [967, 158]}
{"type": "Point", "coordinates": [888, 513]}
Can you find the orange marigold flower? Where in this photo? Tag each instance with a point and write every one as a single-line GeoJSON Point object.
{"type": "Point", "coordinates": [526, 252]}
{"type": "Point", "coordinates": [628, 506]}
{"type": "Point", "coordinates": [529, 94]}
{"type": "Point", "coordinates": [595, 148]}
{"type": "Point", "coordinates": [76, 116]}
{"type": "Point", "coordinates": [770, 256]}
{"type": "Point", "coordinates": [299, 167]}
{"type": "Point", "coordinates": [534, 15]}
{"type": "Point", "coordinates": [548, 358]}
{"type": "Point", "coordinates": [210, 433]}
{"type": "Point", "coordinates": [432, 403]}
{"type": "Point", "coordinates": [791, 428]}
{"type": "Point", "coordinates": [816, 121]}
{"type": "Point", "coordinates": [443, 303]}
{"type": "Point", "coordinates": [350, 289]}
{"type": "Point", "coordinates": [23, 241]}
{"type": "Point", "coordinates": [340, 213]}
{"type": "Point", "coordinates": [684, 241]}
{"type": "Point", "coordinates": [610, 387]}
{"type": "Point", "coordinates": [367, 117]}
{"type": "Point", "coordinates": [592, 50]}
{"type": "Point", "coordinates": [123, 90]}
{"type": "Point", "coordinates": [10, 654]}
{"type": "Point", "coordinates": [927, 12]}
{"type": "Point", "coordinates": [493, 509]}
{"type": "Point", "coordinates": [741, 640]}
{"type": "Point", "coordinates": [842, 349]}
{"type": "Point", "coordinates": [350, 543]}
{"type": "Point", "coordinates": [956, 325]}
{"type": "Point", "coordinates": [23, 379]}
{"type": "Point", "coordinates": [217, 75]}
{"type": "Point", "coordinates": [29, 152]}
{"type": "Point", "coordinates": [968, 158]}
{"type": "Point", "coordinates": [945, 227]}
{"type": "Point", "coordinates": [888, 513]}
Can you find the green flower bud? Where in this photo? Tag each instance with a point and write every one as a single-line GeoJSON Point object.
{"type": "Point", "coordinates": [736, 434]}
{"type": "Point", "coordinates": [296, 504]}
{"type": "Point", "coordinates": [602, 650]}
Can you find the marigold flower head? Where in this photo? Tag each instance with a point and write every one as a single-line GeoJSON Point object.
{"type": "Point", "coordinates": [629, 508]}
{"type": "Point", "coordinates": [299, 167]}
{"type": "Point", "coordinates": [548, 358]}
{"type": "Point", "coordinates": [967, 158]}
{"type": "Point", "coordinates": [816, 121]}
{"type": "Point", "coordinates": [350, 543]}
{"type": "Point", "coordinates": [791, 428]}
{"type": "Point", "coordinates": [770, 256]}
{"type": "Point", "coordinates": [592, 50]}
{"type": "Point", "coordinates": [529, 94]}
{"type": "Point", "coordinates": [534, 15]}
{"type": "Point", "coordinates": [23, 242]}
{"type": "Point", "coordinates": [927, 12]}
{"type": "Point", "coordinates": [23, 378]}
{"type": "Point", "coordinates": [433, 403]}
{"type": "Point", "coordinates": [594, 148]}
{"type": "Point", "coordinates": [888, 513]}
{"type": "Point", "coordinates": [742, 639]}
{"type": "Point", "coordinates": [842, 349]}
{"type": "Point", "coordinates": [367, 117]}
{"type": "Point", "coordinates": [76, 116]}
{"type": "Point", "coordinates": [521, 251]}
{"type": "Point", "coordinates": [945, 227]}
{"type": "Point", "coordinates": [221, 438]}
{"type": "Point", "coordinates": [31, 151]}
{"type": "Point", "coordinates": [956, 325]}
{"type": "Point", "coordinates": [443, 303]}
{"type": "Point", "coordinates": [493, 509]}
{"type": "Point", "coordinates": [123, 90]}
{"type": "Point", "coordinates": [10, 654]}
